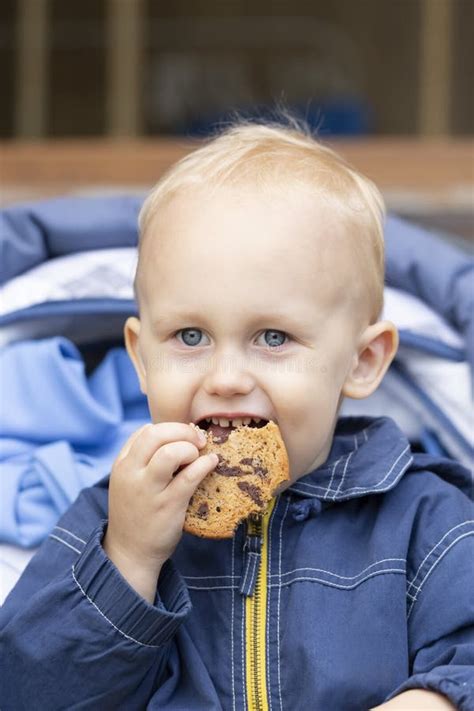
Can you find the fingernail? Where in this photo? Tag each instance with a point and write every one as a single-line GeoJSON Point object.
{"type": "Point", "coordinates": [202, 438]}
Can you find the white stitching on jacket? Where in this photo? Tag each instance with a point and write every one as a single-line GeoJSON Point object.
{"type": "Point", "coordinates": [359, 489]}
{"type": "Point", "coordinates": [244, 670]}
{"type": "Point", "coordinates": [208, 577]}
{"type": "Point", "coordinates": [211, 587]}
{"type": "Point", "coordinates": [56, 538]}
{"type": "Point", "coordinates": [438, 560]}
{"type": "Point", "coordinates": [244, 582]}
{"type": "Point", "coordinates": [342, 477]}
{"type": "Point", "coordinates": [279, 598]}
{"type": "Point", "coordinates": [356, 447]}
{"type": "Point", "coordinates": [232, 629]}
{"type": "Point", "coordinates": [339, 585]}
{"type": "Point", "coordinates": [71, 534]}
{"type": "Point", "coordinates": [269, 567]}
{"type": "Point", "coordinates": [344, 457]}
{"type": "Point", "coordinates": [345, 577]}
{"type": "Point", "coordinates": [279, 576]}
{"type": "Point", "coordinates": [142, 644]}
{"type": "Point", "coordinates": [412, 584]}
{"type": "Point", "coordinates": [329, 486]}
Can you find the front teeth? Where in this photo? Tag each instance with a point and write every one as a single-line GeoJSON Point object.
{"type": "Point", "coordinates": [218, 421]}
{"type": "Point", "coordinates": [236, 422]}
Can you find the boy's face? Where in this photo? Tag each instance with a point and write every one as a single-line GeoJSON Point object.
{"type": "Point", "coordinates": [248, 305]}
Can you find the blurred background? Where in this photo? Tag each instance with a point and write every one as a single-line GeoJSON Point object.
{"type": "Point", "coordinates": [102, 95]}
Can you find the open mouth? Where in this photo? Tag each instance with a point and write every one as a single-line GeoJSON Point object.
{"type": "Point", "coordinates": [206, 424]}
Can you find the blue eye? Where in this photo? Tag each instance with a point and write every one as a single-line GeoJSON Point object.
{"type": "Point", "coordinates": [275, 338]}
{"type": "Point", "coordinates": [191, 336]}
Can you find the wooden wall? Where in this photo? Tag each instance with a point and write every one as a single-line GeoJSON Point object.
{"type": "Point", "coordinates": [96, 67]}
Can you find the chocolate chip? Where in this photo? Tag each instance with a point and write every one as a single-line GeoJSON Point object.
{"type": "Point", "coordinates": [256, 466]}
{"type": "Point", "coordinates": [223, 470]}
{"type": "Point", "coordinates": [252, 491]}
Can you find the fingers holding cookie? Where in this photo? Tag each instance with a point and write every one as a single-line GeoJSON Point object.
{"type": "Point", "coordinates": [149, 490]}
{"type": "Point", "coordinates": [141, 447]}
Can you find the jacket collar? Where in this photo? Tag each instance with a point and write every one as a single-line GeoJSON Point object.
{"type": "Point", "coordinates": [368, 455]}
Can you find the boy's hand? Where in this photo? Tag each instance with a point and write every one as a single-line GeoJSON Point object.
{"type": "Point", "coordinates": [148, 499]}
{"type": "Point", "coordinates": [419, 700]}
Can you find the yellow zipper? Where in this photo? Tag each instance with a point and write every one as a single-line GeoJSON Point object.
{"type": "Point", "coordinates": [256, 621]}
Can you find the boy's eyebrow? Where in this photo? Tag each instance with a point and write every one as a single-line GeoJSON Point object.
{"type": "Point", "coordinates": [194, 317]}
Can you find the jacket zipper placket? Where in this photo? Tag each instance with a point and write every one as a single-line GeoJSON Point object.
{"type": "Point", "coordinates": [256, 619]}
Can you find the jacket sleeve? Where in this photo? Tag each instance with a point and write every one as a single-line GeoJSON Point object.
{"type": "Point", "coordinates": [441, 618]}
{"type": "Point", "coordinates": [74, 634]}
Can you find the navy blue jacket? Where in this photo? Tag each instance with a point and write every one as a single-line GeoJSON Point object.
{"type": "Point", "coordinates": [357, 584]}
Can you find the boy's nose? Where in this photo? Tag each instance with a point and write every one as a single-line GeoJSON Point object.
{"type": "Point", "coordinates": [228, 376]}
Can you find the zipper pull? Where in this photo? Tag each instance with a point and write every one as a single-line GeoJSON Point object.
{"type": "Point", "coordinates": [251, 567]}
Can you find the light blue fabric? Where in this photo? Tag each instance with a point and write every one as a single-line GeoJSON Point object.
{"type": "Point", "coordinates": [69, 436]}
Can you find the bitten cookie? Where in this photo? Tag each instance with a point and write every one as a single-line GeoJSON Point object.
{"type": "Point", "coordinates": [253, 462]}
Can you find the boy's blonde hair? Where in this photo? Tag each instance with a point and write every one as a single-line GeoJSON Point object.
{"type": "Point", "coordinates": [271, 155]}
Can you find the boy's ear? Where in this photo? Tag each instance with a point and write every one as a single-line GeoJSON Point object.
{"type": "Point", "coordinates": [131, 332]}
{"type": "Point", "coordinates": [377, 348]}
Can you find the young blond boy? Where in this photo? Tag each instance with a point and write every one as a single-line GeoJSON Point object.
{"type": "Point", "coordinates": [354, 591]}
